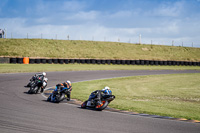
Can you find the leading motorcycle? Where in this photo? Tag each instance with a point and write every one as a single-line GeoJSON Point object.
{"type": "Point", "coordinates": [93, 102]}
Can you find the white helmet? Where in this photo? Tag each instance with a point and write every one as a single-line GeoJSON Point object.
{"type": "Point", "coordinates": [69, 82]}
{"type": "Point", "coordinates": [44, 74]}
{"type": "Point", "coordinates": [106, 88]}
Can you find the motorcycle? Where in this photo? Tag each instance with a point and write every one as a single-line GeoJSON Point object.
{"type": "Point", "coordinates": [31, 82]}
{"type": "Point", "coordinates": [92, 102]}
{"type": "Point", "coordinates": [58, 96]}
{"type": "Point", "coordinates": [36, 86]}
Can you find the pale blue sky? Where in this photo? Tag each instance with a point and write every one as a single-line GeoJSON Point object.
{"type": "Point", "coordinates": [158, 21]}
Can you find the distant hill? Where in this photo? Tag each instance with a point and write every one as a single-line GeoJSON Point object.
{"type": "Point", "coordinates": [95, 50]}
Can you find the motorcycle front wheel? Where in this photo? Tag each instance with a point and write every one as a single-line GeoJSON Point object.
{"type": "Point", "coordinates": [102, 106]}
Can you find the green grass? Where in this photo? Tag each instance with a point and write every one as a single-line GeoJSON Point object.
{"type": "Point", "coordinates": [175, 95]}
{"type": "Point", "coordinates": [17, 68]}
{"type": "Point", "coordinates": [95, 50]}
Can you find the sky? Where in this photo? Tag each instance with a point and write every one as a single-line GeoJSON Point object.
{"type": "Point", "coordinates": [160, 22]}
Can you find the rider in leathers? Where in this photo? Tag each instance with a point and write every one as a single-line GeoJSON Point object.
{"type": "Point", "coordinates": [62, 87]}
{"type": "Point", "coordinates": [102, 93]}
{"type": "Point", "coordinates": [43, 79]}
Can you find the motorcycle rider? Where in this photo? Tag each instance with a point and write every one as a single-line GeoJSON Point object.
{"type": "Point", "coordinates": [61, 87]}
{"type": "Point", "coordinates": [42, 78]}
{"type": "Point", "coordinates": [102, 93]}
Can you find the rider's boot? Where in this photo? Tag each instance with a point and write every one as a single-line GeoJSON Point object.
{"type": "Point", "coordinates": [42, 89]}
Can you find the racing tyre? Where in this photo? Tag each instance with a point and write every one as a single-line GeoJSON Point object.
{"type": "Point", "coordinates": [36, 89]}
{"type": "Point", "coordinates": [83, 105]}
{"type": "Point", "coordinates": [30, 84]}
{"type": "Point", "coordinates": [30, 90]}
{"type": "Point", "coordinates": [49, 98]}
{"type": "Point", "coordinates": [102, 106]}
{"type": "Point", "coordinates": [62, 97]}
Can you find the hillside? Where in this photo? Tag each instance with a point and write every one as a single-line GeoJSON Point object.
{"type": "Point", "coordinates": [94, 50]}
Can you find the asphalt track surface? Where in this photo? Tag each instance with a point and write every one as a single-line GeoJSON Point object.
{"type": "Point", "coordinates": [24, 113]}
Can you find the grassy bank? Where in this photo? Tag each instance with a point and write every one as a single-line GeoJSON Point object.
{"type": "Point", "coordinates": [175, 95]}
{"type": "Point", "coordinates": [17, 68]}
{"type": "Point", "coordinates": [95, 50]}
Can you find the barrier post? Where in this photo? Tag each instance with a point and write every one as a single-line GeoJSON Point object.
{"type": "Point", "coordinates": [26, 60]}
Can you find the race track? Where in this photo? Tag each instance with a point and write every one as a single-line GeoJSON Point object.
{"type": "Point", "coordinates": [21, 112]}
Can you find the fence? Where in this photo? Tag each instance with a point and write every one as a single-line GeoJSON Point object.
{"type": "Point", "coordinates": [136, 40]}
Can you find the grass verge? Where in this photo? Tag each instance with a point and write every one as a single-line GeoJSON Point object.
{"type": "Point", "coordinates": [175, 95]}
{"type": "Point", "coordinates": [17, 68]}
{"type": "Point", "coordinates": [95, 50]}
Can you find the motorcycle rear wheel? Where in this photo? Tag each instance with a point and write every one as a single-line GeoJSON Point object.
{"type": "Point", "coordinates": [83, 105]}
{"type": "Point", "coordinates": [31, 90]}
{"type": "Point", "coordinates": [49, 98]}
{"type": "Point", "coordinates": [36, 89]}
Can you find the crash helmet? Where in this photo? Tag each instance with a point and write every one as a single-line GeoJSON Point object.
{"type": "Point", "coordinates": [67, 83]}
{"type": "Point", "coordinates": [106, 90]}
{"type": "Point", "coordinates": [44, 74]}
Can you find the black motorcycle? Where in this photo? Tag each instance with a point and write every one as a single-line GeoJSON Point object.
{"type": "Point", "coordinates": [58, 96]}
{"type": "Point", "coordinates": [93, 102]}
{"type": "Point", "coordinates": [35, 87]}
{"type": "Point", "coordinates": [31, 81]}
